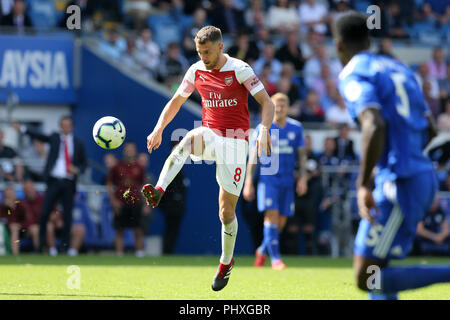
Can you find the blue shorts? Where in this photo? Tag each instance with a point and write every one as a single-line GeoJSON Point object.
{"type": "Point", "coordinates": [402, 203]}
{"type": "Point", "coordinates": [272, 197]}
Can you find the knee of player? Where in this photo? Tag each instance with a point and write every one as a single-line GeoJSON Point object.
{"type": "Point", "coordinates": [226, 214]}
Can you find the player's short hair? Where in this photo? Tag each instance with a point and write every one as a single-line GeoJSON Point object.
{"type": "Point", "coordinates": [280, 96]}
{"type": "Point", "coordinates": [351, 29]}
{"type": "Point", "coordinates": [208, 33]}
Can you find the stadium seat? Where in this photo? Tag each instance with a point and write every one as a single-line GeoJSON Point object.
{"type": "Point", "coordinates": [106, 224]}
{"type": "Point", "coordinates": [361, 6]}
{"type": "Point", "coordinates": [43, 13]}
{"type": "Point", "coordinates": [165, 30]}
{"type": "Point", "coordinates": [82, 215]}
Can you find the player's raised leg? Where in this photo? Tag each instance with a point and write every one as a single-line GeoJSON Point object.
{"type": "Point", "coordinates": [192, 143]}
{"type": "Point", "coordinates": [227, 215]}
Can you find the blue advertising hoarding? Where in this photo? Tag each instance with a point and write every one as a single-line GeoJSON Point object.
{"type": "Point", "coordinates": [39, 69]}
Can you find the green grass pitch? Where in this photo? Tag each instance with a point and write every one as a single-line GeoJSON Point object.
{"type": "Point", "coordinates": [188, 277]}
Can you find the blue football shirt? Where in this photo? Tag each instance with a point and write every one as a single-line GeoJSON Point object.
{"type": "Point", "coordinates": [375, 81]}
{"type": "Point", "coordinates": [278, 168]}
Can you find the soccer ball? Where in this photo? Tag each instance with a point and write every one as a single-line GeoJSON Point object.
{"type": "Point", "coordinates": [109, 132]}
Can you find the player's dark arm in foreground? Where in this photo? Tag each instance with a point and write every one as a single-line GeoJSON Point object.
{"type": "Point", "coordinates": [432, 127]}
{"type": "Point", "coordinates": [169, 112]}
{"type": "Point", "coordinates": [263, 142]}
{"type": "Point", "coordinates": [302, 182]}
{"type": "Point", "coordinates": [373, 130]}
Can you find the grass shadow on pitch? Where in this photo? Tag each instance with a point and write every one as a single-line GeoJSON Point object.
{"type": "Point", "coordinates": [165, 261]}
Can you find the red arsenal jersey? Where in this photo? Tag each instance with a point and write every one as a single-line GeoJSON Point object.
{"type": "Point", "coordinates": [224, 95]}
{"type": "Point", "coordinates": [127, 178]}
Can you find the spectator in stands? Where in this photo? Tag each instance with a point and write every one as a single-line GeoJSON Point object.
{"type": "Point", "coordinates": [385, 47]}
{"type": "Point", "coordinates": [35, 157]}
{"type": "Point", "coordinates": [312, 69]}
{"type": "Point", "coordinates": [150, 53]}
{"type": "Point", "coordinates": [443, 120]}
{"type": "Point", "coordinates": [124, 182]}
{"type": "Point", "coordinates": [33, 204]}
{"type": "Point", "coordinates": [18, 17]}
{"type": "Point", "coordinates": [338, 114]}
{"type": "Point", "coordinates": [328, 157]}
{"type": "Point", "coordinates": [433, 231]}
{"type": "Point", "coordinates": [431, 100]}
{"type": "Point", "coordinates": [268, 57]}
{"type": "Point", "coordinates": [311, 111]}
{"type": "Point", "coordinates": [244, 49]}
{"type": "Point", "coordinates": [173, 207]}
{"type": "Point", "coordinates": [173, 65]}
{"type": "Point", "coordinates": [428, 15]}
{"type": "Point", "coordinates": [262, 37]}
{"type": "Point", "coordinates": [227, 18]}
{"type": "Point", "coordinates": [113, 45]}
{"type": "Point", "coordinates": [422, 75]}
{"type": "Point", "coordinates": [331, 96]}
{"type": "Point", "coordinates": [437, 66]}
{"type": "Point", "coordinates": [189, 32]}
{"type": "Point", "coordinates": [109, 160]}
{"type": "Point", "coordinates": [6, 7]}
{"type": "Point", "coordinates": [309, 46]}
{"type": "Point", "coordinates": [313, 15]}
{"type": "Point", "coordinates": [319, 84]}
{"type": "Point", "coordinates": [137, 12]}
{"type": "Point", "coordinates": [290, 89]}
{"type": "Point", "coordinates": [290, 51]}
{"type": "Point", "coordinates": [7, 158]}
{"type": "Point", "coordinates": [264, 77]}
{"type": "Point", "coordinates": [344, 145]}
{"type": "Point", "coordinates": [255, 15]}
{"type": "Point", "coordinates": [393, 21]}
{"type": "Point", "coordinates": [282, 17]}
{"type": "Point", "coordinates": [12, 214]}
{"type": "Point", "coordinates": [444, 84]}
{"type": "Point", "coordinates": [144, 159]}
{"type": "Point", "coordinates": [130, 57]}
{"type": "Point", "coordinates": [339, 8]}
{"type": "Point", "coordinates": [65, 162]}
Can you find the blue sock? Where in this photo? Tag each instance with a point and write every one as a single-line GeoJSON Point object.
{"type": "Point", "coordinates": [381, 296]}
{"type": "Point", "coordinates": [262, 249]}
{"type": "Point", "coordinates": [271, 240]}
{"type": "Point", "coordinates": [399, 278]}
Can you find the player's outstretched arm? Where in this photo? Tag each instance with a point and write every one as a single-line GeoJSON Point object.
{"type": "Point", "coordinates": [263, 142]}
{"type": "Point", "coordinates": [373, 128]}
{"type": "Point", "coordinates": [169, 112]}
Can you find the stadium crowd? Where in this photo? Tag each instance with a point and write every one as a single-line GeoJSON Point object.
{"type": "Point", "coordinates": [285, 43]}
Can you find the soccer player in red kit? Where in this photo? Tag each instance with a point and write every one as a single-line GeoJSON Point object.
{"type": "Point", "coordinates": [223, 83]}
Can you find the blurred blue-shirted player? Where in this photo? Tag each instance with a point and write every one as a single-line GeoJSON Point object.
{"type": "Point", "coordinates": [396, 125]}
{"type": "Point", "coordinates": [275, 194]}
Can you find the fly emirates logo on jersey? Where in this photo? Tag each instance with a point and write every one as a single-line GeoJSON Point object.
{"type": "Point", "coordinates": [215, 101]}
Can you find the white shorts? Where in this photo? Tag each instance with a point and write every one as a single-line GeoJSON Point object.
{"type": "Point", "coordinates": [230, 156]}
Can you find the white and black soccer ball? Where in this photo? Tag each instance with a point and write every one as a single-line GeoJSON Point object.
{"type": "Point", "coordinates": [109, 132]}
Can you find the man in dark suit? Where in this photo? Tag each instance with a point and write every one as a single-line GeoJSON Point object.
{"type": "Point", "coordinates": [227, 18]}
{"type": "Point", "coordinates": [18, 17]}
{"type": "Point", "coordinates": [344, 146]}
{"type": "Point", "coordinates": [66, 160]}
